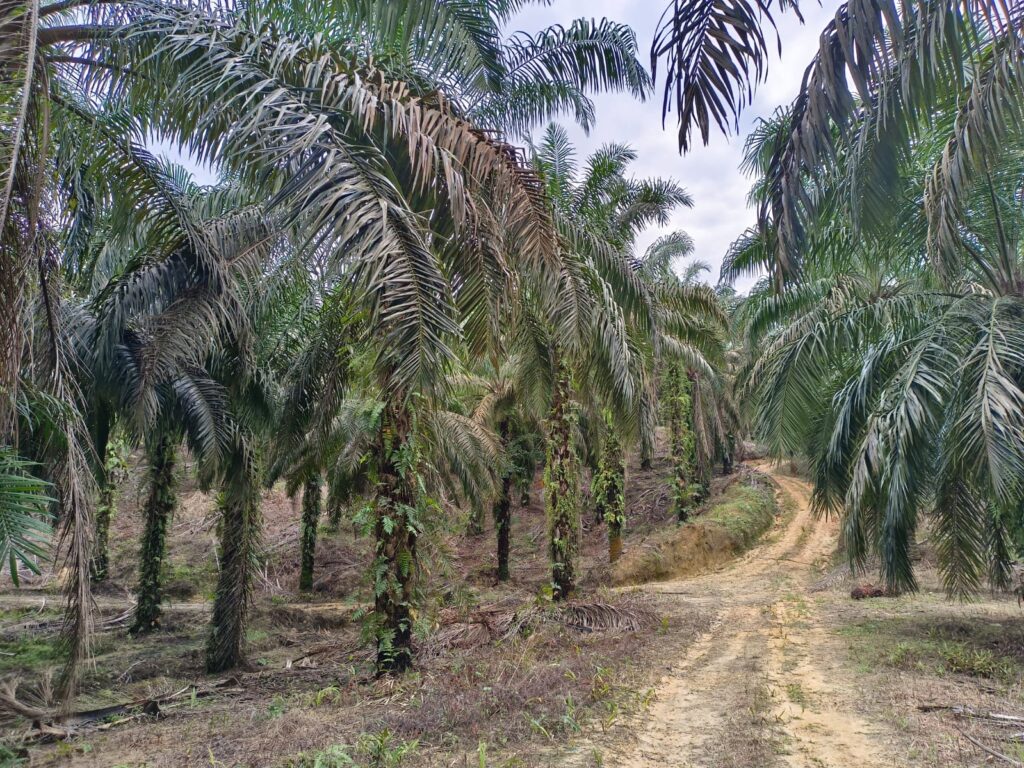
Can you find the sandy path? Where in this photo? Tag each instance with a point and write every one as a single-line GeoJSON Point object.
{"type": "Point", "coordinates": [766, 666]}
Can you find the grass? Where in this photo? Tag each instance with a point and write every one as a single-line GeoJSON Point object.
{"type": "Point", "coordinates": [29, 653]}
{"type": "Point", "coordinates": [744, 513]}
{"type": "Point", "coordinates": [981, 649]}
{"type": "Point", "coordinates": [734, 523]}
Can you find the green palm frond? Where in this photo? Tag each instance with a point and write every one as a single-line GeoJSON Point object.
{"type": "Point", "coordinates": [25, 518]}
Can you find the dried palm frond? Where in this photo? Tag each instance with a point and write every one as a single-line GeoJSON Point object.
{"type": "Point", "coordinates": [602, 617]}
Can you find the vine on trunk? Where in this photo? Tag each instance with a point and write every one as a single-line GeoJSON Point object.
{"type": "Point", "coordinates": [610, 489]}
{"type": "Point", "coordinates": [562, 489]}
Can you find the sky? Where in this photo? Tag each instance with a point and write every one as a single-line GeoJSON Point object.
{"type": "Point", "coordinates": [710, 174]}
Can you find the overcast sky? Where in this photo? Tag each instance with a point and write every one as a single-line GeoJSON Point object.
{"type": "Point", "coordinates": [711, 174]}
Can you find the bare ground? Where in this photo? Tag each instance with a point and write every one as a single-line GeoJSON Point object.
{"type": "Point", "coordinates": [757, 665]}
{"type": "Point", "coordinates": [790, 674]}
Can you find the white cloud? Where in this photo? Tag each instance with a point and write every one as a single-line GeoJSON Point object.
{"type": "Point", "coordinates": [711, 173]}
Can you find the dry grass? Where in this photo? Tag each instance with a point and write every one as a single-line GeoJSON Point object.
{"type": "Point", "coordinates": [922, 661]}
{"type": "Point", "coordinates": [498, 665]}
{"type": "Point", "coordinates": [741, 512]}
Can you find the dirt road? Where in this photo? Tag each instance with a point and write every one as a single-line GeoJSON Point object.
{"type": "Point", "coordinates": [763, 686]}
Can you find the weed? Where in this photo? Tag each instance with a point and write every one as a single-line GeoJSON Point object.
{"type": "Point", "coordinates": [796, 694]}
{"type": "Point", "coordinates": [336, 756]}
{"type": "Point", "coordinates": [538, 727]}
{"type": "Point", "coordinates": [330, 694]}
{"type": "Point", "coordinates": [29, 653]}
{"type": "Point", "coordinates": [571, 717]}
{"type": "Point", "coordinates": [979, 663]}
{"type": "Point", "coordinates": [254, 636]}
{"type": "Point", "coordinates": [380, 751]}
{"type": "Point", "coordinates": [277, 708]}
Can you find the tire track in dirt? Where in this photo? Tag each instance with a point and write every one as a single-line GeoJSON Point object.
{"type": "Point", "coordinates": [763, 686]}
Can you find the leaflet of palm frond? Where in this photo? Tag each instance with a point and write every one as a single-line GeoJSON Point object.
{"type": "Point", "coordinates": [714, 51]}
{"type": "Point", "coordinates": [960, 536]}
{"type": "Point", "coordinates": [201, 406]}
{"type": "Point", "coordinates": [696, 300]}
{"type": "Point", "coordinates": [69, 471]}
{"type": "Point", "coordinates": [555, 159]}
{"type": "Point", "coordinates": [26, 522]}
{"type": "Point", "coordinates": [648, 202]}
{"type": "Point", "coordinates": [465, 450]}
{"type": "Point", "coordinates": [898, 60]}
{"type": "Point", "coordinates": [612, 266]}
{"type": "Point", "coordinates": [992, 111]}
{"type": "Point", "coordinates": [480, 267]}
{"type": "Point", "coordinates": [748, 255]}
{"type": "Point", "coordinates": [523, 106]}
{"type": "Point", "coordinates": [20, 25]}
{"type": "Point", "coordinates": [990, 428]}
{"type": "Point", "coordinates": [610, 351]}
{"type": "Point", "coordinates": [592, 55]}
{"type": "Point", "coordinates": [766, 310]}
{"type": "Point", "coordinates": [238, 137]}
{"type": "Point", "coordinates": [447, 42]}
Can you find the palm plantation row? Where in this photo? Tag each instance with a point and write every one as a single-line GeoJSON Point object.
{"type": "Point", "coordinates": [396, 311]}
{"type": "Point", "coordinates": [381, 296]}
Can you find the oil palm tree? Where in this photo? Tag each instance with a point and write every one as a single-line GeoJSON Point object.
{"type": "Point", "coordinates": [613, 321]}
{"type": "Point", "coordinates": [900, 376]}
{"type": "Point", "coordinates": [881, 71]}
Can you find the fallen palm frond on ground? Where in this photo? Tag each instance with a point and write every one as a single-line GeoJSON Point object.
{"type": "Point", "coordinates": [501, 622]}
{"type": "Point", "coordinates": [49, 723]}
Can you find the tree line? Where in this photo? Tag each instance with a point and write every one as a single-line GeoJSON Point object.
{"type": "Point", "coordinates": [397, 302]}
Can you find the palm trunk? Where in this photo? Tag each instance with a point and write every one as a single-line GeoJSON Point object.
{"type": "Point", "coordinates": [310, 522]}
{"type": "Point", "coordinates": [237, 556]}
{"type": "Point", "coordinates": [680, 407]}
{"type": "Point", "coordinates": [159, 508]}
{"type": "Point", "coordinates": [609, 491]}
{"type": "Point", "coordinates": [648, 425]}
{"type": "Point", "coordinates": [396, 534]}
{"type": "Point", "coordinates": [475, 524]}
{"type": "Point", "coordinates": [503, 510]}
{"type": "Point", "coordinates": [702, 458]}
{"type": "Point", "coordinates": [562, 489]}
{"type": "Point", "coordinates": [335, 508]}
{"type": "Point", "coordinates": [727, 454]}
{"type": "Point", "coordinates": [100, 566]}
